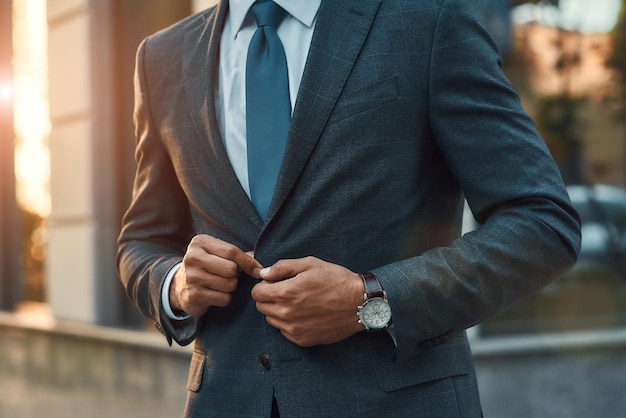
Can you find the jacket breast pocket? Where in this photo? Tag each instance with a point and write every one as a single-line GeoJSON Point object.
{"type": "Point", "coordinates": [354, 102]}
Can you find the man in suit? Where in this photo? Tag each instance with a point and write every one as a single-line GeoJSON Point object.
{"type": "Point", "coordinates": [399, 111]}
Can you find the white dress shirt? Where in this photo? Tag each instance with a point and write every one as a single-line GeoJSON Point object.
{"type": "Point", "coordinates": [295, 32]}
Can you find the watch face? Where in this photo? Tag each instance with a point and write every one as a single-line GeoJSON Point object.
{"type": "Point", "coordinates": [376, 313]}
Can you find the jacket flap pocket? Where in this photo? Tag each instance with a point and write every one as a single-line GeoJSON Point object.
{"type": "Point", "coordinates": [446, 360]}
{"type": "Point", "coordinates": [196, 369]}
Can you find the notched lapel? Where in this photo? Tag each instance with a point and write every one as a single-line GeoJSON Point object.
{"type": "Point", "coordinates": [200, 73]}
{"type": "Point", "coordinates": [340, 32]}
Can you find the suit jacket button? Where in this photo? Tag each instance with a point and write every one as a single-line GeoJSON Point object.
{"type": "Point", "coordinates": [264, 361]}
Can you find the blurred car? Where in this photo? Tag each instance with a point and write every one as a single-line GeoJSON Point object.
{"type": "Point", "coordinates": [592, 295]}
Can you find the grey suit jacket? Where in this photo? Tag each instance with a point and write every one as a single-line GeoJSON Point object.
{"type": "Point", "coordinates": [402, 112]}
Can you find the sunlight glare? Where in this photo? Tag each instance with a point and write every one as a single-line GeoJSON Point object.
{"type": "Point", "coordinates": [6, 92]}
{"type": "Point", "coordinates": [31, 113]}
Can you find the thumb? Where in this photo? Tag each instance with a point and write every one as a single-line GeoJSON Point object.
{"type": "Point", "coordinates": [285, 269]}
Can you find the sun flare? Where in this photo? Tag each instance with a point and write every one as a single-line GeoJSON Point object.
{"type": "Point", "coordinates": [30, 96]}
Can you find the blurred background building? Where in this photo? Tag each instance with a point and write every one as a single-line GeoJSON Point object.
{"type": "Point", "coordinates": [72, 345]}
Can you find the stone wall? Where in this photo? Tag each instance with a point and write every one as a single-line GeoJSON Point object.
{"type": "Point", "coordinates": [74, 370]}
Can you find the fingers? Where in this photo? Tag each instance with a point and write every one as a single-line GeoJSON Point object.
{"type": "Point", "coordinates": [208, 274]}
{"type": "Point", "coordinates": [228, 252]}
{"type": "Point", "coordinates": [194, 291]}
{"type": "Point", "coordinates": [309, 300]}
{"type": "Point", "coordinates": [248, 264]}
{"type": "Point", "coordinates": [270, 289]}
{"type": "Point", "coordinates": [285, 269]}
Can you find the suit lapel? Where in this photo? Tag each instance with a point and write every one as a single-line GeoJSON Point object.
{"type": "Point", "coordinates": [340, 32]}
{"type": "Point", "coordinates": [200, 72]}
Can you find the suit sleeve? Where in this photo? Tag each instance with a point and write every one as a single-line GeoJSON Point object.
{"type": "Point", "coordinates": [156, 228]}
{"type": "Point", "coordinates": [529, 233]}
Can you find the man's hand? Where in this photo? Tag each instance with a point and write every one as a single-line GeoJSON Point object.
{"type": "Point", "coordinates": [310, 301]}
{"type": "Point", "coordinates": [208, 275]}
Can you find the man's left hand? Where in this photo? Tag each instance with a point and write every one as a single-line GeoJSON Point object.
{"type": "Point", "coordinates": [310, 301]}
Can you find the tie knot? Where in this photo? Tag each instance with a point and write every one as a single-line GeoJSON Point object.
{"type": "Point", "coordinates": [267, 13]}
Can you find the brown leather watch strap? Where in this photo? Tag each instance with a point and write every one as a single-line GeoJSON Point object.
{"type": "Point", "coordinates": [373, 288]}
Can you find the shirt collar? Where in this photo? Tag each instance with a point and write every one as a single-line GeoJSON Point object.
{"type": "Point", "coordinates": [303, 10]}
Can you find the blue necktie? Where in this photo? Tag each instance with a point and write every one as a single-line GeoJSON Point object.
{"type": "Point", "coordinates": [268, 108]}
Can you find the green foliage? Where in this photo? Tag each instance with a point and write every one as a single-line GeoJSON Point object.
{"type": "Point", "coordinates": [32, 256]}
{"type": "Point", "coordinates": [560, 123]}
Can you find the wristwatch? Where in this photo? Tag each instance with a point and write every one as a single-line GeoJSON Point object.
{"type": "Point", "coordinates": [375, 313]}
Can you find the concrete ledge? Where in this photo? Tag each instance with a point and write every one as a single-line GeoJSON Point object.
{"type": "Point", "coordinates": [37, 317]}
{"type": "Point", "coordinates": [61, 369]}
{"type": "Point", "coordinates": [538, 344]}
{"type": "Point", "coordinates": [574, 375]}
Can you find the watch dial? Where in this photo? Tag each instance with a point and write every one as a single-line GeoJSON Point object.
{"type": "Point", "coordinates": [376, 313]}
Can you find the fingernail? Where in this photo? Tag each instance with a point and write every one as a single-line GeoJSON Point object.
{"type": "Point", "coordinates": [265, 271]}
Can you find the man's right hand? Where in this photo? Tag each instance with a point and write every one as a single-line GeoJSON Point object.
{"type": "Point", "coordinates": [208, 275]}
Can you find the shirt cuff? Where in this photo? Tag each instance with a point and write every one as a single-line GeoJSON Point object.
{"type": "Point", "coordinates": [165, 296]}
